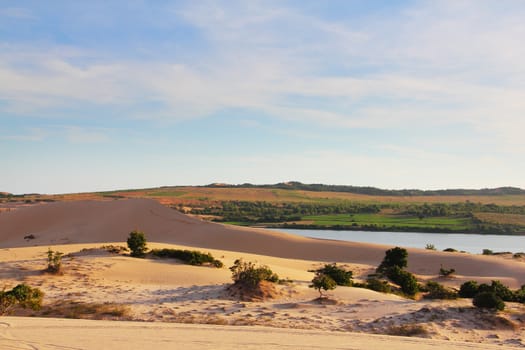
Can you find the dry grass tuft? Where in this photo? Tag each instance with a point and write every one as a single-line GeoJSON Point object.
{"type": "Point", "coordinates": [91, 311]}
{"type": "Point", "coordinates": [408, 330]}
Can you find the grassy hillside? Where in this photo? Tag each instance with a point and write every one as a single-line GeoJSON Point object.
{"type": "Point", "coordinates": [500, 211]}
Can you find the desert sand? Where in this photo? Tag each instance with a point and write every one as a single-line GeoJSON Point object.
{"type": "Point", "coordinates": [174, 301]}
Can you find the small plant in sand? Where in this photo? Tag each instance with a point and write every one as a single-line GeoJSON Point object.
{"type": "Point", "coordinates": [408, 330]}
{"type": "Point", "coordinates": [430, 247]}
{"type": "Point", "coordinates": [248, 274]}
{"type": "Point", "coordinates": [191, 257]}
{"type": "Point", "coordinates": [443, 272]}
{"type": "Point", "coordinates": [22, 295]}
{"type": "Point", "coordinates": [438, 291]}
{"type": "Point", "coordinates": [54, 261]}
{"type": "Point", "coordinates": [341, 276]}
{"type": "Point", "coordinates": [322, 282]}
{"type": "Point", "coordinates": [488, 300]}
{"type": "Point", "coordinates": [137, 244]}
{"type": "Point", "coordinates": [378, 285]}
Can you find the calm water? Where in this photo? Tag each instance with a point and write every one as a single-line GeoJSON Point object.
{"type": "Point", "coordinates": [471, 243]}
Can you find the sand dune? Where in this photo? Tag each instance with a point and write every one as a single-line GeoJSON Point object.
{"type": "Point", "coordinates": [111, 221]}
{"type": "Point", "coordinates": [160, 293]}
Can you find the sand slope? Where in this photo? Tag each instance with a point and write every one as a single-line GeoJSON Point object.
{"type": "Point", "coordinates": [33, 333]}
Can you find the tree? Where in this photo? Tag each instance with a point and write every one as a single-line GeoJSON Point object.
{"type": "Point", "coordinates": [54, 261]}
{"type": "Point", "coordinates": [137, 244]}
{"type": "Point", "coordinates": [341, 276]}
{"type": "Point", "coordinates": [22, 295]}
{"type": "Point", "coordinates": [322, 281]}
{"type": "Point", "coordinates": [394, 257]}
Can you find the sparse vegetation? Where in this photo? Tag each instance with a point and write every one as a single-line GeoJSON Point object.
{"type": "Point", "coordinates": [191, 257]}
{"type": "Point", "coordinates": [378, 285]}
{"type": "Point", "coordinates": [20, 296]}
{"type": "Point", "coordinates": [404, 279]}
{"type": "Point", "coordinates": [137, 244]}
{"type": "Point", "coordinates": [392, 266]}
{"type": "Point", "coordinates": [115, 249]}
{"type": "Point", "coordinates": [488, 300]}
{"type": "Point", "coordinates": [496, 287]}
{"type": "Point", "coordinates": [248, 274]}
{"type": "Point", "coordinates": [92, 311]}
{"type": "Point", "coordinates": [340, 276]}
{"type": "Point", "coordinates": [430, 247]}
{"type": "Point", "coordinates": [443, 272]}
{"type": "Point", "coordinates": [321, 282]}
{"type": "Point", "coordinates": [487, 252]}
{"type": "Point", "coordinates": [438, 291]}
{"type": "Point", "coordinates": [54, 261]}
{"type": "Point", "coordinates": [395, 257]}
{"type": "Point", "coordinates": [408, 330]}
{"type": "Point", "coordinates": [469, 289]}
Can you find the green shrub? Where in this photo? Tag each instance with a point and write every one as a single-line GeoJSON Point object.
{"type": "Point", "coordinates": [22, 295]}
{"type": "Point", "coordinates": [322, 281]}
{"type": "Point", "coordinates": [378, 285]}
{"type": "Point", "coordinates": [54, 261]}
{"type": "Point", "coordinates": [488, 300]}
{"type": "Point", "coordinates": [469, 289]}
{"type": "Point", "coordinates": [137, 244]}
{"type": "Point", "coordinates": [341, 276]}
{"type": "Point", "coordinates": [404, 279]}
{"type": "Point", "coordinates": [502, 291]}
{"type": "Point", "coordinates": [395, 257]}
{"type": "Point", "coordinates": [430, 247]}
{"type": "Point", "coordinates": [446, 272]}
{"type": "Point", "coordinates": [438, 291]}
{"type": "Point", "coordinates": [519, 295]}
{"type": "Point", "coordinates": [487, 252]}
{"type": "Point", "coordinates": [248, 274]}
{"type": "Point", "coordinates": [191, 257]}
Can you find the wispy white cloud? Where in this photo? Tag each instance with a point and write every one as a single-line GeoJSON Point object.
{"type": "Point", "coordinates": [434, 64]}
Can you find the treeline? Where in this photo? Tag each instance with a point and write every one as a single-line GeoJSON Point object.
{"type": "Point", "coordinates": [374, 191]}
{"type": "Point", "coordinates": [256, 212]}
{"type": "Point", "coordinates": [275, 212]}
{"type": "Point", "coordinates": [482, 228]}
{"type": "Point", "coordinates": [281, 214]}
{"type": "Point", "coordinates": [448, 209]}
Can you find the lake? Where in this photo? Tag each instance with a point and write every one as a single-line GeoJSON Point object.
{"type": "Point", "coordinates": [472, 243]}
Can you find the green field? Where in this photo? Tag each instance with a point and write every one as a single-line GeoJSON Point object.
{"type": "Point", "coordinates": [391, 221]}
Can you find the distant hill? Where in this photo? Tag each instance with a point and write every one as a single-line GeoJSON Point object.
{"type": "Point", "coordinates": [374, 191]}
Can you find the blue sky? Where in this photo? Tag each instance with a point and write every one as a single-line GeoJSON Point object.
{"type": "Point", "coordinates": [128, 94]}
